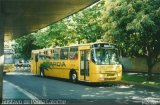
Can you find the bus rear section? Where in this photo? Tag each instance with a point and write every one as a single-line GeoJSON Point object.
{"type": "Point", "coordinates": [9, 64]}
{"type": "Point", "coordinates": [9, 68]}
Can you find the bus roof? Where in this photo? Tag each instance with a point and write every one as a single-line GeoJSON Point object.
{"type": "Point", "coordinates": [75, 45]}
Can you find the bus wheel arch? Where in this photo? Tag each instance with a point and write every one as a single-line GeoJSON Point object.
{"type": "Point", "coordinates": [73, 75]}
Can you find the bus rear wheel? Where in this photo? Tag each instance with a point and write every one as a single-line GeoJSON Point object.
{"type": "Point", "coordinates": [73, 76]}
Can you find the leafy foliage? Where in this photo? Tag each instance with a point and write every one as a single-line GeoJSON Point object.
{"type": "Point", "coordinates": [135, 26]}
{"type": "Point", "coordinates": [45, 65]}
{"type": "Point", "coordinates": [86, 24]}
{"type": "Point", "coordinates": [53, 35]}
{"type": "Point", "coordinates": [23, 47]}
{"type": "Point", "coordinates": [81, 27]}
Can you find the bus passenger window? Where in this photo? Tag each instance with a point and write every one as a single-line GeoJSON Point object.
{"type": "Point", "coordinates": [41, 55]}
{"type": "Point", "coordinates": [49, 54]}
{"type": "Point", "coordinates": [56, 54]}
{"type": "Point", "coordinates": [75, 56]}
{"type": "Point", "coordinates": [52, 55]}
{"type": "Point", "coordinates": [64, 54]}
{"type": "Point", "coordinates": [73, 53]}
{"type": "Point", "coordinates": [32, 56]}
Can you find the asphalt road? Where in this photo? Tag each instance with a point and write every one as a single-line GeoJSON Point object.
{"type": "Point", "coordinates": [58, 89]}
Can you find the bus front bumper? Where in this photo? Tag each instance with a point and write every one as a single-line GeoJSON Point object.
{"type": "Point", "coordinates": [107, 77]}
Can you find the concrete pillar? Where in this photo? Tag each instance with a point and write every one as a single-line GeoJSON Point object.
{"type": "Point", "coordinates": [1, 50]}
{"type": "Point", "coordinates": [1, 62]}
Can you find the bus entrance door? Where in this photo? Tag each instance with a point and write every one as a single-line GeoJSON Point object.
{"type": "Point", "coordinates": [84, 65]}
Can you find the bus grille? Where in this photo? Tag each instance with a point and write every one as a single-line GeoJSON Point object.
{"type": "Point", "coordinates": [110, 78]}
{"type": "Point", "coordinates": [110, 74]}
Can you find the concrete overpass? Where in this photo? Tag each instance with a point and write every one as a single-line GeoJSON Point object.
{"type": "Point", "coordinates": [19, 17]}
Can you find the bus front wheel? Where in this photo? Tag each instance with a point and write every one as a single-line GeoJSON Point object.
{"type": "Point", "coordinates": [73, 76]}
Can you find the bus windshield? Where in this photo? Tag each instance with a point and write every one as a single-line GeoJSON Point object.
{"type": "Point", "coordinates": [103, 56]}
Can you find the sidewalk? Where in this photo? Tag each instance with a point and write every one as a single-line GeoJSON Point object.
{"type": "Point", "coordinates": [11, 91]}
{"type": "Point", "coordinates": [13, 94]}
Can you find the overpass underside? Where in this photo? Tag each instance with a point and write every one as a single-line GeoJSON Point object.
{"type": "Point", "coordinates": [19, 17]}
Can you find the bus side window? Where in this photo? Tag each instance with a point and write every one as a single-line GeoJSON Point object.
{"type": "Point", "coordinates": [41, 55]}
{"type": "Point", "coordinates": [56, 54]}
{"type": "Point", "coordinates": [64, 53]}
{"type": "Point", "coordinates": [32, 56]}
{"type": "Point", "coordinates": [48, 54]}
{"type": "Point", "coordinates": [73, 53]}
{"type": "Point", "coordinates": [52, 55]}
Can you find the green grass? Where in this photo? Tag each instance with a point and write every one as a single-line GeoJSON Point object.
{"type": "Point", "coordinates": [141, 78]}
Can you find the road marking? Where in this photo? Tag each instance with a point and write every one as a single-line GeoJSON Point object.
{"type": "Point", "coordinates": [32, 97]}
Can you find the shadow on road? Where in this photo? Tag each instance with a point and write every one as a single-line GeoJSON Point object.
{"type": "Point", "coordinates": [81, 92]}
{"type": "Point", "coordinates": [106, 84]}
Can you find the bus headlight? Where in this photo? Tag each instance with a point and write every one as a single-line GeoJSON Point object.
{"type": "Point", "coordinates": [101, 76]}
{"type": "Point", "coordinates": [119, 74]}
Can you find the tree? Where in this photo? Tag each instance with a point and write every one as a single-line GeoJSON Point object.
{"type": "Point", "coordinates": [23, 47]}
{"type": "Point", "coordinates": [53, 35]}
{"type": "Point", "coordinates": [85, 25]}
{"type": "Point", "coordinates": [134, 25]}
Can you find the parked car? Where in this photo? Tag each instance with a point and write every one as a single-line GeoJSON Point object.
{"type": "Point", "coordinates": [22, 63]}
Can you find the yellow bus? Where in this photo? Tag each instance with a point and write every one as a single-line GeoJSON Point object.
{"type": "Point", "coordinates": [8, 61]}
{"type": "Point", "coordinates": [93, 62]}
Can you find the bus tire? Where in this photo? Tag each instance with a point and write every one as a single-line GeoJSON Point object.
{"type": "Point", "coordinates": [73, 76]}
{"type": "Point", "coordinates": [42, 73]}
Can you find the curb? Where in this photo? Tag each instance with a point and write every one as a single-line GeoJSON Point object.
{"type": "Point", "coordinates": [139, 84]}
